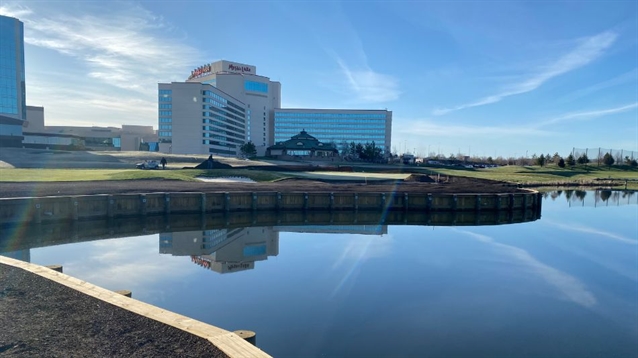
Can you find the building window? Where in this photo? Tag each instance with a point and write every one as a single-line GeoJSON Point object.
{"type": "Point", "coordinates": [253, 86]}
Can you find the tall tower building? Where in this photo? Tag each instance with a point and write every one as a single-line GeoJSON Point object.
{"type": "Point", "coordinates": [13, 108]}
{"type": "Point", "coordinates": [198, 118]}
{"type": "Point", "coordinates": [12, 86]}
{"type": "Point", "coordinates": [260, 95]}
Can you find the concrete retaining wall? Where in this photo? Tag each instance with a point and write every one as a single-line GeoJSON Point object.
{"type": "Point", "coordinates": [14, 210]}
{"type": "Point", "coordinates": [21, 237]}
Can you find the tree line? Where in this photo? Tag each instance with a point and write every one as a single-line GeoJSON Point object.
{"type": "Point", "coordinates": [570, 161]}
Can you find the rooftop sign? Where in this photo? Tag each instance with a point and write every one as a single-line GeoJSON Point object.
{"type": "Point", "coordinates": [239, 68]}
{"type": "Point", "coordinates": [200, 71]}
{"type": "Point", "coordinates": [220, 67]}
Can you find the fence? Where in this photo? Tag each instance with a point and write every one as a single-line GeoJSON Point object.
{"type": "Point", "coordinates": [595, 155]}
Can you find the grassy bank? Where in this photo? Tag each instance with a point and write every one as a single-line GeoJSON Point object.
{"type": "Point", "coordinates": [551, 175]}
{"type": "Point", "coordinates": [529, 176]}
{"type": "Point", "coordinates": [52, 175]}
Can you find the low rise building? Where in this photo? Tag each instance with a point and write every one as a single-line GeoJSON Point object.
{"type": "Point", "coordinates": [302, 145]}
{"type": "Point", "coordinates": [126, 138]}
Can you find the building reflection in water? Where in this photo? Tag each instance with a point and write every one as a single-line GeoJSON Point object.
{"type": "Point", "coordinates": [22, 255]}
{"type": "Point", "coordinates": [224, 250]}
{"type": "Point", "coordinates": [337, 229]}
{"type": "Point", "coordinates": [233, 250]}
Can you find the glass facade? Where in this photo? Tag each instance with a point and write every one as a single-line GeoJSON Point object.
{"type": "Point", "coordinates": [12, 79]}
{"type": "Point", "coordinates": [224, 124]}
{"type": "Point", "coordinates": [333, 127]}
{"type": "Point", "coordinates": [165, 117]}
{"type": "Point", "coordinates": [252, 86]}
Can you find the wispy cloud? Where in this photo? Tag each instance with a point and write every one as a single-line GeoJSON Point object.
{"type": "Point", "coordinates": [579, 116]}
{"type": "Point", "coordinates": [16, 11]}
{"type": "Point", "coordinates": [131, 263]}
{"type": "Point", "coordinates": [430, 128]}
{"type": "Point", "coordinates": [125, 49]}
{"type": "Point", "coordinates": [90, 106]}
{"type": "Point", "coordinates": [588, 50]}
{"type": "Point", "coordinates": [121, 49]}
{"type": "Point", "coordinates": [627, 77]}
{"type": "Point", "coordinates": [569, 286]}
{"type": "Point", "coordinates": [342, 43]}
{"type": "Point", "coordinates": [594, 232]}
{"type": "Point", "coordinates": [368, 85]}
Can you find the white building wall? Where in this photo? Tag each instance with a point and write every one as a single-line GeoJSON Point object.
{"type": "Point", "coordinates": [231, 77]}
{"type": "Point", "coordinates": [189, 132]}
{"type": "Point", "coordinates": [35, 119]}
{"type": "Point", "coordinates": [261, 106]}
{"type": "Point", "coordinates": [186, 118]}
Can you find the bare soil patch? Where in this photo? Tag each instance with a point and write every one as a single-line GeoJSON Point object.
{"type": "Point", "coordinates": [454, 185]}
{"type": "Point", "coordinates": [41, 318]}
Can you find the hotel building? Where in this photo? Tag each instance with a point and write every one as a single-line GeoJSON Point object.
{"type": "Point", "coordinates": [13, 110]}
{"type": "Point", "coordinates": [198, 118]}
{"type": "Point", "coordinates": [225, 104]}
{"type": "Point", "coordinates": [260, 95]}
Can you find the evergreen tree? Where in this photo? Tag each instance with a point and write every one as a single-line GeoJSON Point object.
{"type": "Point", "coordinates": [608, 160]}
{"type": "Point", "coordinates": [248, 149]}
{"type": "Point", "coordinates": [561, 162]}
{"type": "Point", "coordinates": [541, 160]}
{"type": "Point", "coordinates": [556, 158]}
{"type": "Point", "coordinates": [583, 159]}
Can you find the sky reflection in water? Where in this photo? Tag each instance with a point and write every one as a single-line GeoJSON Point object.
{"type": "Point", "coordinates": [565, 285]}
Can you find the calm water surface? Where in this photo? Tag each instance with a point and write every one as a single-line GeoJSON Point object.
{"type": "Point", "coordinates": [565, 285]}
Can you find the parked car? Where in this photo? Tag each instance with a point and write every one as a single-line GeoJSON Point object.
{"type": "Point", "coordinates": [148, 164]}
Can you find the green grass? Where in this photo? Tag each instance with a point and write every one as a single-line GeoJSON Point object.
{"type": "Point", "coordinates": [52, 175]}
{"type": "Point", "coordinates": [551, 174]}
{"type": "Point", "coordinates": [513, 174]}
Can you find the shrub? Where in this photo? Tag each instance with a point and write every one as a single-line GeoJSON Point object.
{"type": "Point", "coordinates": [561, 163]}
{"type": "Point", "coordinates": [540, 160]}
{"type": "Point", "coordinates": [583, 159]}
{"type": "Point", "coordinates": [608, 160]}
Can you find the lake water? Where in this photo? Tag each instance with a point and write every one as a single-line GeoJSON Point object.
{"type": "Point", "coordinates": [562, 286]}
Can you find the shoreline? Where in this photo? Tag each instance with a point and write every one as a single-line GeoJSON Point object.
{"type": "Point", "coordinates": [455, 185]}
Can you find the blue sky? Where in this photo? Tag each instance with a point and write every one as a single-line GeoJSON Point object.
{"type": "Point", "coordinates": [488, 78]}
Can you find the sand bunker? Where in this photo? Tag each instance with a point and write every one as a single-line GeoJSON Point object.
{"type": "Point", "coordinates": [227, 180]}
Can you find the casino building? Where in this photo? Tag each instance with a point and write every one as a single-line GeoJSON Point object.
{"type": "Point", "coordinates": [224, 104]}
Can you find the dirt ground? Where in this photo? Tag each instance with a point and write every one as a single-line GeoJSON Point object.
{"type": "Point", "coordinates": [33, 158]}
{"type": "Point", "coordinates": [41, 318]}
{"type": "Point", "coordinates": [39, 189]}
